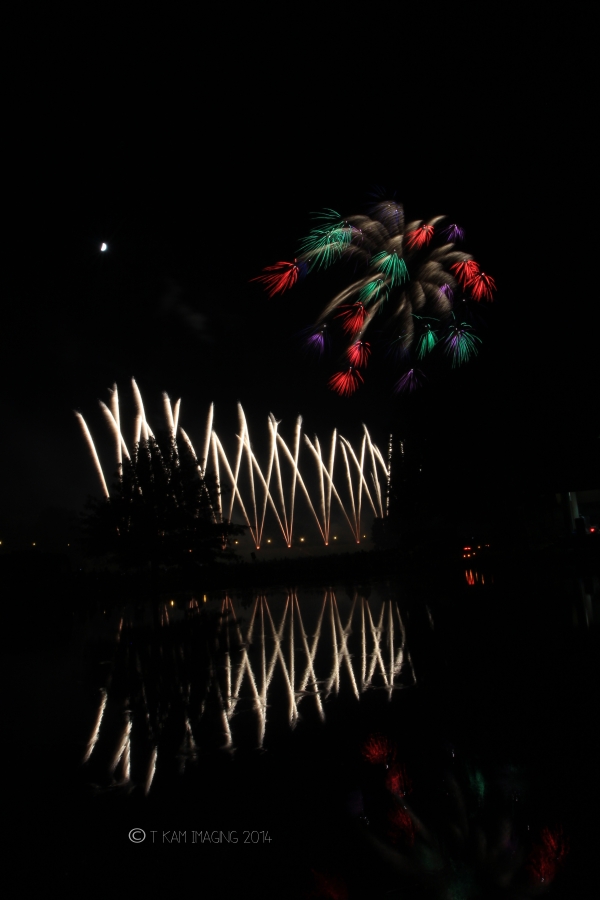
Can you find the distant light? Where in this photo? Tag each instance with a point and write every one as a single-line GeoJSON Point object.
{"type": "Point", "coordinates": [301, 539]}
{"type": "Point", "coordinates": [103, 247]}
{"type": "Point", "coordinates": [172, 603]}
{"type": "Point", "coordinates": [268, 542]}
{"type": "Point", "coordinates": [33, 545]}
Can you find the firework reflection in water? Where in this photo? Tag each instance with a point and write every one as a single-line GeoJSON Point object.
{"type": "Point", "coordinates": [176, 692]}
{"type": "Point", "coordinates": [454, 831]}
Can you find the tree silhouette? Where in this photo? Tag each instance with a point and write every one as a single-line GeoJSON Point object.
{"type": "Point", "coordinates": [161, 510]}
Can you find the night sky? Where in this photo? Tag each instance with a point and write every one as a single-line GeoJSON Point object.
{"type": "Point", "coordinates": [201, 162]}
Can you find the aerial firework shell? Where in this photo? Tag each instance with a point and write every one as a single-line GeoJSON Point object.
{"type": "Point", "coordinates": [454, 233]}
{"type": "Point", "coordinates": [279, 278]}
{"type": "Point", "coordinates": [427, 340]}
{"type": "Point", "coordinates": [346, 383]}
{"type": "Point", "coordinates": [316, 341]}
{"type": "Point", "coordinates": [353, 318]}
{"type": "Point", "coordinates": [410, 381]}
{"type": "Point", "coordinates": [465, 269]}
{"type": "Point", "coordinates": [481, 286]}
{"type": "Point", "coordinates": [399, 271]}
{"type": "Point", "coordinates": [358, 353]}
{"type": "Point", "coordinates": [460, 343]}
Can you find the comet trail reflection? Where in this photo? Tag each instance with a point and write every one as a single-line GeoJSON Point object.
{"type": "Point", "coordinates": [277, 661]}
{"type": "Point", "coordinates": [347, 479]}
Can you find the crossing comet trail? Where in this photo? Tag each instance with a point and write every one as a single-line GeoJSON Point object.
{"type": "Point", "coordinates": [340, 480]}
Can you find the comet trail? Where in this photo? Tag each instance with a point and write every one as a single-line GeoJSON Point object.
{"type": "Point", "coordinates": [267, 496]}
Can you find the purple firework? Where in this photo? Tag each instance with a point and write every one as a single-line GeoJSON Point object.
{"type": "Point", "coordinates": [315, 342]}
{"type": "Point", "coordinates": [447, 292]}
{"type": "Point", "coordinates": [454, 233]}
{"type": "Point", "coordinates": [410, 381]}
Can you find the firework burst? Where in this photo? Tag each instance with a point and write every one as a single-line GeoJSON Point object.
{"type": "Point", "coordinates": [461, 344]}
{"type": "Point", "coordinates": [481, 286]}
{"type": "Point", "coordinates": [370, 292]}
{"type": "Point", "coordinates": [279, 278]}
{"type": "Point", "coordinates": [399, 273]}
{"type": "Point", "coordinates": [358, 354]}
{"type": "Point", "coordinates": [419, 237]}
{"type": "Point", "coordinates": [353, 317]}
{"type": "Point", "coordinates": [316, 342]}
{"type": "Point", "coordinates": [454, 233]}
{"type": "Point", "coordinates": [346, 383]}
{"type": "Point", "coordinates": [465, 270]}
{"type": "Point", "coordinates": [428, 338]}
{"type": "Point", "coordinates": [409, 382]}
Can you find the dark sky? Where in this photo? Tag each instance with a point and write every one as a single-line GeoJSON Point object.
{"type": "Point", "coordinates": [198, 153]}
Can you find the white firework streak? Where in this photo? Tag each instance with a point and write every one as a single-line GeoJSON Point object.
{"type": "Point", "coordinates": [310, 654]}
{"type": "Point", "coordinates": [309, 672]}
{"type": "Point", "coordinates": [344, 634]}
{"type": "Point", "coordinates": [356, 526]}
{"type": "Point", "coordinates": [376, 485]}
{"type": "Point", "coordinates": [96, 730]}
{"type": "Point", "coordinates": [268, 499]}
{"type": "Point", "coordinates": [278, 654]}
{"type": "Point", "coordinates": [301, 482]}
{"type": "Point", "coordinates": [88, 437]}
{"type": "Point", "coordinates": [226, 691]}
{"type": "Point", "coordinates": [332, 488]}
{"type": "Point", "coordinates": [218, 447]}
{"type": "Point", "coordinates": [376, 633]}
{"type": "Point", "coordinates": [151, 769]}
{"type": "Point", "coordinates": [280, 501]}
{"type": "Point", "coordinates": [123, 745]}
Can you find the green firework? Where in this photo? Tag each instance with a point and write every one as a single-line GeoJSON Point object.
{"type": "Point", "coordinates": [326, 242]}
{"type": "Point", "coordinates": [371, 291]}
{"type": "Point", "coordinates": [427, 341]}
{"type": "Point", "coordinates": [461, 344]}
{"type": "Point", "coordinates": [392, 266]}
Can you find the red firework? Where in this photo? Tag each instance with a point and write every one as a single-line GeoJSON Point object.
{"type": "Point", "coordinates": [353, 317]}
{"type": "Point", "coordinates": [379, 749]}
{"type": "Point", "coordinates": [358, 354]}
{"type": "Point", "coordinates": [402, 827]}
{"type": "Point", "coordinates": [419, 237]}
{"type": "Point", "coordinates": [397, 781]}
{"type": "Point", "coordinates": [284, 275]}
{"type": "Point", "coordinates": [345, 383]}
{"type": "Point", "coordinates": [465, 270]}
{"type": "Point", "coordinates": [481, 286]}
{"type": "Point", "coordinates": [547, 857]}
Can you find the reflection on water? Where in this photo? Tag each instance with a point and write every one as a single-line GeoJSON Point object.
{"type": "Point", "coordinates": [456, 829]}
{"type": "Point", "coordinates": [474, 784]}
{"type": "Point", "coordinates": [215, 680]}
